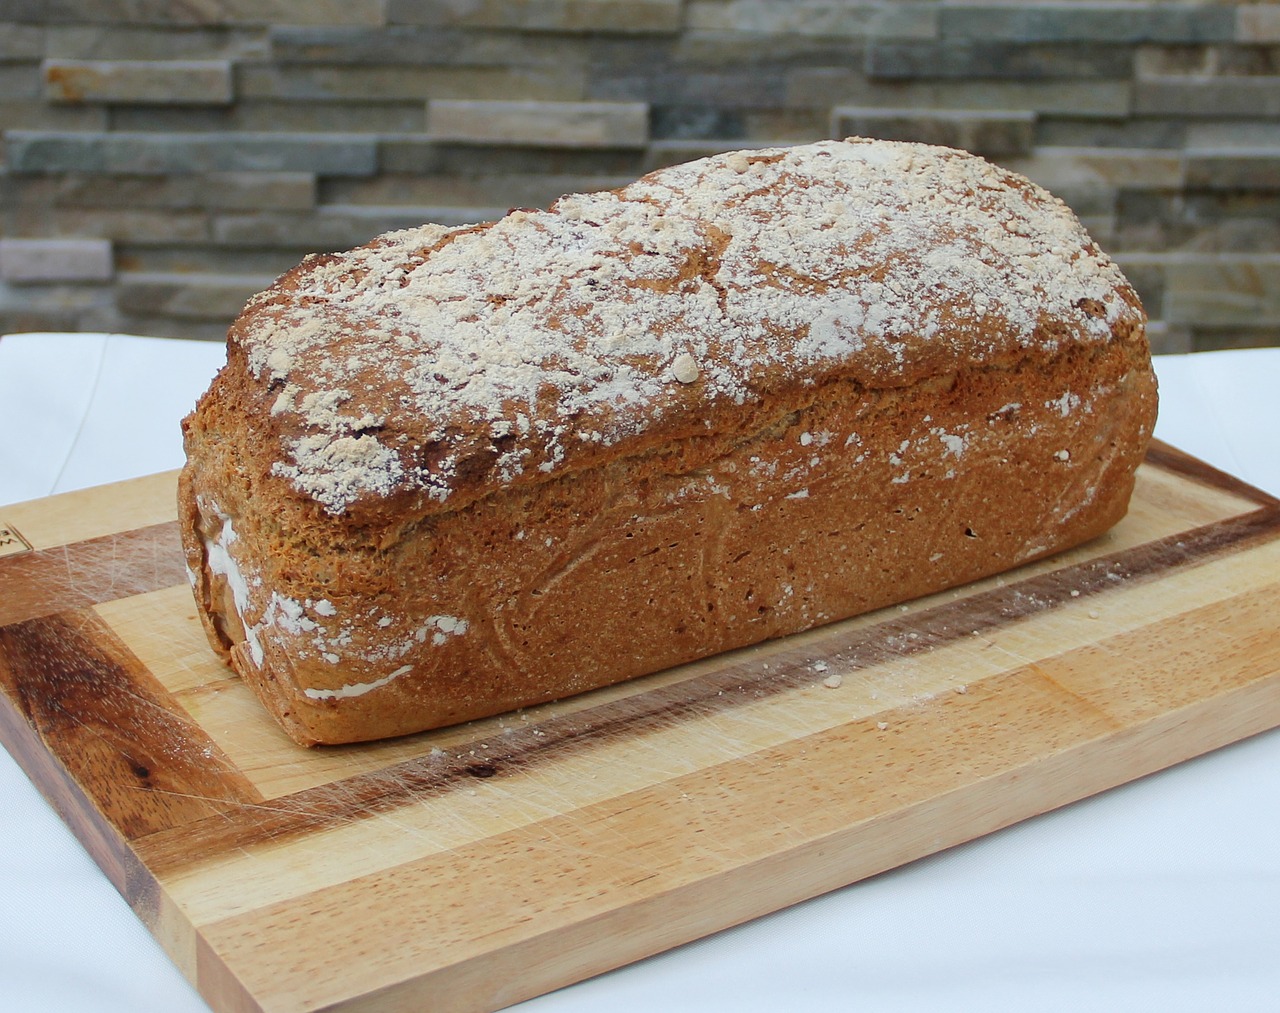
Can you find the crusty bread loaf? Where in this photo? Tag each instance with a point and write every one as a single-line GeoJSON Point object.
{"type": "Point", "coordinates": [461, 470]}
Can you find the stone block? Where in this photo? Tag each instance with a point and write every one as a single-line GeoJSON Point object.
{"type": "Point", "coordinates": [687, 122]}
{"type": "Point", "coordinates": [1063, 167]}
{"type": "Point", "coordinates": [1215, 339]}
{"type": "Point", "coordinates": [419, 154]}
{"type": "Point", "coordinates": [356, 83]}
{"type": "Point", "coordinates": [21, 42]}
{"type": "Point", "coordinates": [1145, 207]}
{"type": "Point", "coordinates": [214, 12]}
{"type": "Point", "coordinates": [986, 133]}
{"type": "Point", "coordinates": [337, 227]}
{"type": "Point", "coordinates": [37, 114]}
{"type": "Point", "coordinates": [1234, 235]}
{"type": "Point", "coordinates": [155, 42]}
{"type": "Point", "coordinates": [550, 124]}
{"type": "Point", "coordinates": [565, 83]}
{"type": "Point", "coordinates": [1167, 338]}
{"type": "Point", "coordinates": [1152, 133]}
{"type": "Point", "coordinates": [421, 45]}
{"type": "Point", "coordinates": [32, 261]}
{"type": "Point", "coordinates": [50, 151]}
{"type": "Point", "coordinates": [323, 154]}
{"type": "Point", "coordinates": [167, 119]}
{"type": "Point", "coordinates": [1089, 22]}
{"type": "Point", "coordinates": [785, 126]}
{"type": "Point", "coordinates": [1252, 97]}
{"type": "Point", "coordinates": [608, 16]}
{"type": "Point", "coordinates": [827, 87]}
{"type": "Point", "coordinates": [1234, 169]}
{"type": "Point", "coordinates": [245, 191]}
{"type": "Point", "coordinates": [818, 18]}
{"type": "Point", "coordinates": [1158, 61]}
{"type": "Point", "coordinates": [1145, 272]}
{"type": "Point", "coordinates": [1260, 206]}
{"type": "Point", "coordinates": [26, 11]}
{"type": "Point", "coordinates": [277, 116]}
{"type": "Point", "coordinates": [1248, 135]}
{"type": "Point", "coordinates": [708, 50]}
{"type": "Point", "coordinates": [1258, 22]}
{"type": "Point", "coordinates": [186, 295]}
{"type": "Point", "coordinates": [109, 319]}
{"type": "Point", "coordinates": [302, 83]}
{"type": "Point", "coordinates": [1223, 289]}
{"type": "Point", "coordinates": [20, 81]}
{"type": "Point", "coordinates": [207, 258]}
{"type": "Point", "coordinates": [1092, 202]}
{"type": "Point", "coordinates": [1207, 61]}
{"type": "Point", "coordinates": [52, 307]}
{"type": "Point", "coordinates": [474, 190]}
{"type": "Point", "coordinates": [662, 153]}
{"type": "Point", "coordinates": [154, 82]}
{"type": "Point", "coordinates": [1199, 221]}
{"type": "Point", "coordinates": [132, 225]}
{"type": "Point", "coordinates": [251, 191]}
{"type": "Point", "coordinates": [894, 60]}
{"type": "Point", "coordinates": [750, 87]}
{"type": "Point", "coordinates": [17, 190]}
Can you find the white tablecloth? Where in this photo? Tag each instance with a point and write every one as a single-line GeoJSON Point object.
{"type": "Point", "coordinates": [1163, 894]}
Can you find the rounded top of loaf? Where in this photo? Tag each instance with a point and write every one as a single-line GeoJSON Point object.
{"type": "Point", "coordinates": [438, 363]}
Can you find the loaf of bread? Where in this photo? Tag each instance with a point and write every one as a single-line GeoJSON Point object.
{"type": "Point", "coordinates": [461, 470]}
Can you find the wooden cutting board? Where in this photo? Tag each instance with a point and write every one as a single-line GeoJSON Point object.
{"type": "Point", "coordinates": [477, 866]}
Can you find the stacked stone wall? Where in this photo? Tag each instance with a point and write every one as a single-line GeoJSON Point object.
{"type": "Point", "coordinates": [160, 160]}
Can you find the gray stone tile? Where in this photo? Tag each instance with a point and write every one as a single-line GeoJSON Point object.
{"type": "Point", "coordinates": [1234, 169]}
{"type": "Point", "coordinates": [213, 12]}
{"type": "Point", "coordinates": [817, 18]}
{"type": "Point", "coordinates": [986, 133]}
{"type": "Point", "coordinates": [338, 154]}
{"type": "Point", "coordinates": [1223, 289]}
{"type": "Point", "coordinates": [122, 41]}
{"type": "Point", "coordinates": [1090, 22]}
{"type": "Point", "coordinates": [893, 60]}
{"type": "Point", "coordinates": [187, 295]}
{"type": "Point", "coordinates": [541, 124]}
{"type": "Point", "coordinates": [613, 16]}
{"type": "Point", "coordinates": [24, 261]}
{"type": "Point", "coordinates": [1251, 97]}
{"type": "Point", "coordinates": [153, 82]}
{"type": "Point", "coordinates": [20, 41]}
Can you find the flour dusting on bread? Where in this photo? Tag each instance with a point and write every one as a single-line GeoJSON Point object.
{"type": "Point", "coordinates": [572, 320]}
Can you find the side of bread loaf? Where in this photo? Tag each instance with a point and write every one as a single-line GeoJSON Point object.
{"type": "Point", "coordinates": [463, 470]}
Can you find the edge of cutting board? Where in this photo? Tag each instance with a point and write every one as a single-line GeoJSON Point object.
{"type": "Point", "coordinates": [93, 780]}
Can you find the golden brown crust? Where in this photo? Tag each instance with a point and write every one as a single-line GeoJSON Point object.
{"type": "Point", "coordinates": [391, 529]}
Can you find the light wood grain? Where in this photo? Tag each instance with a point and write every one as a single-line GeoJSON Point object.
{"type": "Point", "coordinates": [474, 866]}
{"type": "Point", "coordinates": [77, 516]}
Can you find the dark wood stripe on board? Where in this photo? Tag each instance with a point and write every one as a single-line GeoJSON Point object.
{"type": "Point", "coordinates": [96, 709]}
{"type": "Point", "coordinates": [75, 576]}
{"type": "Point", "coordinates": [703, 693]}
{"type": "Point", "coordinates": [1168, 458]}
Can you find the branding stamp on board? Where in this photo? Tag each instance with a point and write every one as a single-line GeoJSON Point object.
{"type": "Point", "coordinates": [11, 543]}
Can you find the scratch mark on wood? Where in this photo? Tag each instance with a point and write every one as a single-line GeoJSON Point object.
{"type": "Point", "coordinates": [69, 577]}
